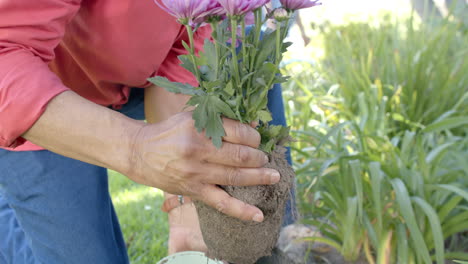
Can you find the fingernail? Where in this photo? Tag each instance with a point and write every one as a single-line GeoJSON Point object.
{"type": "Point", "coordinates": [266, 159]}
{"type": "Point", "coordinates": [258, 218]}
{"type": "Point", "coordinates": [274, 177]}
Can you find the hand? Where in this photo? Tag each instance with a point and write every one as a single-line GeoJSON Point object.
{"type": "Point", "coordinates": [174, 157]}
{"type": "Point", "coordinates": [184, 229]}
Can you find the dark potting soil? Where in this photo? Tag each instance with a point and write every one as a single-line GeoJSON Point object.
{"type": "Point", "coordinates": [243, 242]}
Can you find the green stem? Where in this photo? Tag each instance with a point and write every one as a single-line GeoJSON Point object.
{"type": "Point", "coordinates": [278, 45]}
{"type": "Point", "coordinates": [234, 53]}
{"type": "Point", "coordinates": [244, 48]}
{"type": "Point", "coordinates": [277, 56]}
{"type": "Point", "coordinates": [192, 52]}
{"type": "Point", "coordinates": [214, 27]}
{"type": "Point", "coordinates": [245, 63]}
{"type": "Point", "coordinates": [286, 28]}
{"type": "Point", "coordinates": [258, 28]}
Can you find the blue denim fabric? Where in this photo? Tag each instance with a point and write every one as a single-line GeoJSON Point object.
{"type": "Point", "coordinates": [57, 210]}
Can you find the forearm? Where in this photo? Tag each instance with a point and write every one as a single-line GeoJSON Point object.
{"type": "Point", "coordinates": [77, 128]}
{"type": "Point", "coordinates": [161, 104]}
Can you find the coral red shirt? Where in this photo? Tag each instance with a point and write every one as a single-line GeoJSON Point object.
{"type": "Point", "coordinates": [97, 48]}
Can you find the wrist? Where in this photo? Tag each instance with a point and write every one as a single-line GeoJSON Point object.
{"type": "Point", "coordinates": [127, 147]}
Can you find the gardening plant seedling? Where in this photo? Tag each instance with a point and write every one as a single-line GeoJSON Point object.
{"type": "Point", "coordinates": [235, 71]}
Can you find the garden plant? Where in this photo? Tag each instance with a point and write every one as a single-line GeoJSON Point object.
{"type": "Point", "coordinates": [382, 142]}
{"type": "Point", "coordinates": [235, 71]}
{"type": "Point", "coordinates": [380, 123]}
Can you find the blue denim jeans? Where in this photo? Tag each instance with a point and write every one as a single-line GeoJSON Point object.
{"type": "Point", "coordinates": [57, 210]}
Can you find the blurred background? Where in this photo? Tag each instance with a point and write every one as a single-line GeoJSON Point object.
{"type": "Point", "coordinates": [378, 106]}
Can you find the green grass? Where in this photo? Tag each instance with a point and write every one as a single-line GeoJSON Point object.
{"type": "Point", "coordinates": [144, 225]}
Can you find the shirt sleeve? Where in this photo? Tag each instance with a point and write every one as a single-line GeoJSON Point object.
{"type": "Point", "coordinates": [171, 69]}
{"type": "Point", "coordinates": [29, 33]}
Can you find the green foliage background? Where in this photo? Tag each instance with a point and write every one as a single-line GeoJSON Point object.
{"type": "Point", "coordinates": [381, 122]}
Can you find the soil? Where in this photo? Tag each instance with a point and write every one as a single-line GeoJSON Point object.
{"type": "Point", "coordinates": [242, 242]}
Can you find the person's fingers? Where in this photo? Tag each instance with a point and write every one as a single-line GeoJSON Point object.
{"type": "Point", "coordinates": [236, 155]}
{"type": "Point", "coordinates": [170, 203]}
{"type": "Point", "coordinates": [239, 133]}
{"type": "Point", "coordinates": [217, 198]}
{"type": "Point", "coordinates": [173, 201]}
{"type": "Point", "coordinates": [254, 124]}
{"type": "Point", "coordinates": [226, 175]}
{"type": "Point", "coordinates": [210, 173]}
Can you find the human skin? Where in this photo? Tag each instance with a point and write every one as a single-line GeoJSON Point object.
{"type": "Point", "coordinates": [170, 155]}
{"type": "Point", "coordinates": [184, 228]}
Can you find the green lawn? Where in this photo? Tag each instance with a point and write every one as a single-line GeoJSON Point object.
{"type": "Point", "coordinates": [144, 226]}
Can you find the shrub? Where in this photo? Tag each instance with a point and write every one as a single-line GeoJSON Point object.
{"type": "Point", "coordinates": [381, 141]}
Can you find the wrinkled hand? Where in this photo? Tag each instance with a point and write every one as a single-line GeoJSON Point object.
{"type": "Point", "coordinates": [174, 157]}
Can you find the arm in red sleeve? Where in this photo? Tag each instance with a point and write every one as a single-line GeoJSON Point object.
{"type": "Point", "coordinates": [29, 33]}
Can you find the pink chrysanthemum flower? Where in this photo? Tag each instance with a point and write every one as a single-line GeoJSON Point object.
{"type": "Point", "coordinates": [191, 12]}
{"type": "Point", "coordinates": [241, 7]}
{"type": "Point", "coordinates": [299, 4]}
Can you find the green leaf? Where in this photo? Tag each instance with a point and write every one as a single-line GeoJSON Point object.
{"type": "Point", "coordinates": [439, 150]}
{"type": "Point", "coordinates": [370, 231]}
{"type": "Point", "coordinates": [207, 116]}
{"type": "Point", "coordinates": [268, 147]}
{"type": "Point", "coordinates": [446, 124]}
{"type": "Point", "coordinates": [186, 46]}
{"type": "Point", "coordinates": [376, 177]}
{"type": "Point", "coordinates": [229, 89]}
{"type": "Point", "coordinates": [266, 49]}
{"type": "Point", "coordinates": [264, 116]}
{"type": "Point", "coordinates": [402, 244]}
{"type": "Point", "coordinates": [435, 227]}
{"type": "Point", "coordinates": [448, 206]}
{"type": "Point", "coordinates": [450, 188]}
{"type": "Point", "coordinates": [267, 71]}
{"type": "Point", "coordinates": [406, 210]}
{"type": "Point", "coordinates": [175, 87]}
{"type": "Point", "coordinates": [187, 64]}
{"type": "Point", "coordinates": [211, 85]}
{"type": "Point", "coordinates": [209, 53]}
{"type": "Point", "coordinates": [281, 79]}
{"type": "Point", "coordinates": [356, 173]}
{"type": "Point", "coordinates": [462, 257]}
{"type": "Point", "coordinates": [324, 240]}
{"type": "Point", "coordinates": [261, 81]}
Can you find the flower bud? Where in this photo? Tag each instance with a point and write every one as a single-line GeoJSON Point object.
{"type": "Point", "coordinates": [280, 14]}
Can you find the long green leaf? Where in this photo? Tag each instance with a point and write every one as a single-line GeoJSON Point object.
{"type": "Point", "coordinates": [450, 188]}
{"type": "Point", "coordinates": [356, 173]}
{"type": "Point", "coordinates": [463, 256]}
{"type": "Point", "coordinates": [350, 236]}
{"type": "Point", "coordinates": [447, 207]}
{"type": "Point", "coordinates": [402, 244]}
{"type": "Point", "coordinates": [324, 240]}
{"type": "Point", "coordinates": [376, 178]}
{"type": "Point", "coordinates": [439, 150]}
{"type": "Point", "coordinates": [436, 229]}
{"type": "Point", "coordinates": [406, 210]}
{"type": "Point", "coordinates": [446, 124]}
{"type": "Point", "coordinates": [175, 87]}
